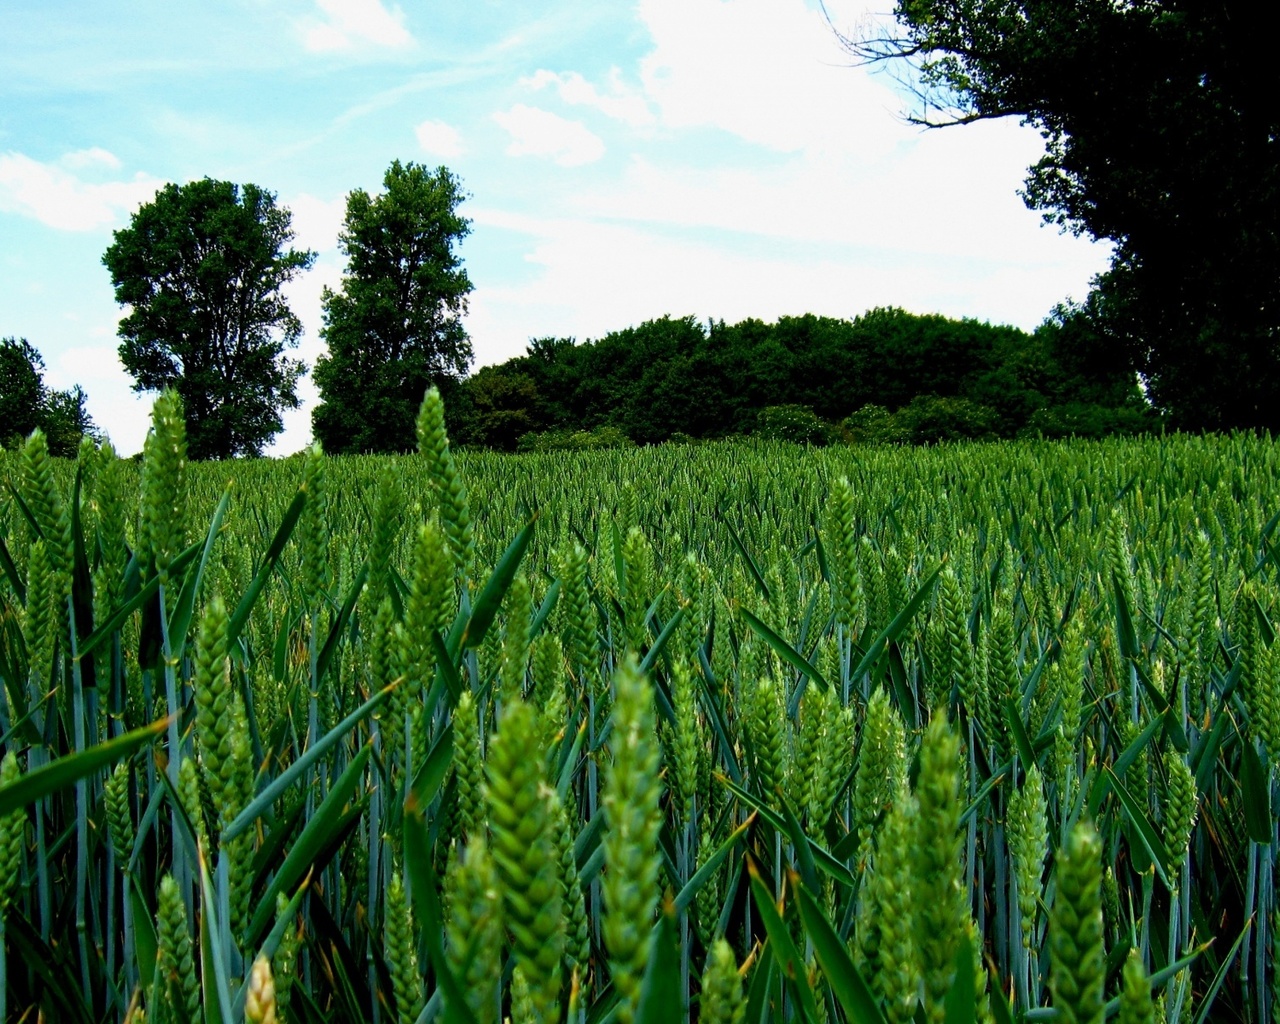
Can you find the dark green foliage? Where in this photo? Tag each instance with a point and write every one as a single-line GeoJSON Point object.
{"type": "Point", "coordinates": [1160, 139]}
{"type": "Point", "coordinates": [201, 267]}
{"type": "Point", "coordinates": [395, 327]}
{"type": "Point", "coordinates": [27, 403]}
{"type": "Point", "coordinates": [918, 378]}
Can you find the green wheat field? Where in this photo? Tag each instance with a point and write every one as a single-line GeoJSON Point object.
{"type": "Point", "coordinates": [733, 733]}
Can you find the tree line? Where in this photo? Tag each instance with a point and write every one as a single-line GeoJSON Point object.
{"type": "Point", "coordinates": [888, 375]}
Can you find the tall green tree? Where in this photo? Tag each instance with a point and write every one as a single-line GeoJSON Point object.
{"type": "Point", "coordinates": [27, 403]}
{"type": "Point", "coordinates": [1160, 136]}
{"type": "Point", "coordinates": [201, 269]}
{"type": "Point", "coordinates": [394, 328]}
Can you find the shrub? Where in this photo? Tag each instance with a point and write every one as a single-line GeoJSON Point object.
{"type": "Point", "coordinates": [929, 419]}
{"type": "Point", "coordinates": [607, 436]}
{"type": "Point", "coordinates": [796, 423]}
{"type": "Point", "coordinates": [872, 424]}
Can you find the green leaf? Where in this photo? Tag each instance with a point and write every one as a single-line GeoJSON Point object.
{"type": "Point", "coordinates": [761, 983]}
{"type": "Point", "coordinates": [804, 855]}
{"type": "Point", "coordinates": [1021, 740]}
{"type": "Point", "coordinates": [263, 801]}
{"type": "Point", "coordinates": [1142, 823]}
{"type": "Point", "coordinates": [656, 648]}
{"type": "Point", "coordinates": [241, 615]}
{"type": "Point", "coordinates": [746, 557]}
{"type": "Point", "coordinates": [63, 772]}
{"type": "Point", "coordinates": [319, 829]}
{"type": "Point", "coordinates": [423, 888]}
{"type": "Point", "coordinates": [81, 581]}
{"type": "Point", "coordinates": [847, 984]}
{"type": "Point", "coordinates": [1255, 788]}
{"type": "Point", "coordinates": [213, 969]}
{"type": "Point", "coordinates": [446, 669]}
{"type": "Point", "coordinates": [962, 998]}
{"type": "Point", "coordinates": [1158, 979]}
{"type": "Point", "coordinates": [684, 899]}
{"type": "Point", "coordinates": [180, 616]}
{"type": "Point", "coordinates": [11, 570]}
{"type": "Point", "coordinates": [789, 959]}
{"type": "Point", "coordinates": [1130, 754]}
{"type": "Point", "coordinates": [1206, 1001]}
{"type": "Point", "coordinates": [544, 610]}
{"type": "Point", "coordinates": [340, 623]}
{"type": "Point", "coordinates": [145, 592]}
{"type": "Point", "coordinates": [146, 947]}
{"type": "Point", "coordinates": [661, 990]}
{"type": "Point", "coordinates": [430, 774]}
{"type": "Point", "coordinates": [895, 628]}
{"type": "Point", "coordinates": [1126, 638]}
{"type": "Point", "coordinates": [785, 651]}
{"type": "Point", "coordinates": [495, 589]}
{"type": "Point", "coordinates": [822, 858]}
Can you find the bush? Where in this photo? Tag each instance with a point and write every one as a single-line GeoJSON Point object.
{"type": "Point", "coordinates": [607, 436]}
{"type": "Point", "coordinates": [872, 424]}
{"type": "Point", "coordinates": [1089, 420]}
{"type": "Point", "coordinates": [796, 423]}
{"type": "Point", "coordinates": [929, 419]}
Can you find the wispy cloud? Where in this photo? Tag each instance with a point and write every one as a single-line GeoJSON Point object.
{"type": "Point", "coordinates": [349, 23]}
{"type": "Point", "coordinates": [53, 195]}
{"type": "Point", "coordinates": [617, 100]}
{"type": "Point", "coordinates": [538, 132]}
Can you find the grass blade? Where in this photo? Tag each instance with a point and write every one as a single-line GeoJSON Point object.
{"type": "Point", "coordinates": [847, 984]}
{"type": "Point", "coordinates": [259, 804]}
{"type": "Point", "coordinates": [63, 772]}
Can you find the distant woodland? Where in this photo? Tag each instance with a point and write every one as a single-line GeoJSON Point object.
{"type": "Point", "coordinates": [886, 376]}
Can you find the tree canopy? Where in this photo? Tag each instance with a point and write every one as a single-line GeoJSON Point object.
{"type": "Point", "coordinates": [394, 328]}
{"type": "Point", "coordinates": [27, 403]}
{"type": "Point", "coordinates": [898, 375]}
{"type": "Point", "coordinates": [1161, 137]}
{"type": "Point", "coordinates": [201, 269]}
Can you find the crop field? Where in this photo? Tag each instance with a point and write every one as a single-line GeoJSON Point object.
{"type": "Point", "coordinates": [734, 732]}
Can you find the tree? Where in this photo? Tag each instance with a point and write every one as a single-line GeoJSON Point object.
{"type": "Point", "coordinates": [395, 327]}
{"type": "Point", "coordinates": [22, 390]}
{"type": "Point", "coordinates": [1160, 137]}
{"type": "Point", "coordinates": [201, 268]}
{"type": "Point", "coordinates": [27, 403]}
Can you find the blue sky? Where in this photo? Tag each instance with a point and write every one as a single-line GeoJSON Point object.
{"type": "Point", "coordinates": [625, 160]}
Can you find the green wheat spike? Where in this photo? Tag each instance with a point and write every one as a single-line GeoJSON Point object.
{"type": "Point", "coordinates": [939, 888]}
{"type": "Point", "coordinates": [632, 793]}
{"type": "Point", "coordinates": [475, 930]}
{"type": "Point", "coordinates": [723, 1001]}
{"type": "Point", "coordinates": [523, 852]}
{"type": "Point", "coordinates": [1077, 958]}
{"type": "Point", "coordinates": [402, 957]}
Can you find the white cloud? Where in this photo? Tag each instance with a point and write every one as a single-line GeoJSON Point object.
{"type": "Point", "coordinates": [595, 277]}
{"type": "Point", "coordinates": [348, 23]}
{"type": "Point", "coordinates": [538, 132]}
{"type": "Point", "coordinates": [619, 101]}
{"type": "Point", "coordinates": [439, 139]}
{"type": "Point", "coordinates": [62, 200]}
{"type": "Point", "coordinates": [83, 159]}
{"type": "Point", "coordinates": [934, 193]}
{"type": "Point", "coordinates": [767, 71]}
{"type": "Point", "coordinates": [316, 222]}
{"type": "Point", "coordinates": [115, 407]}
